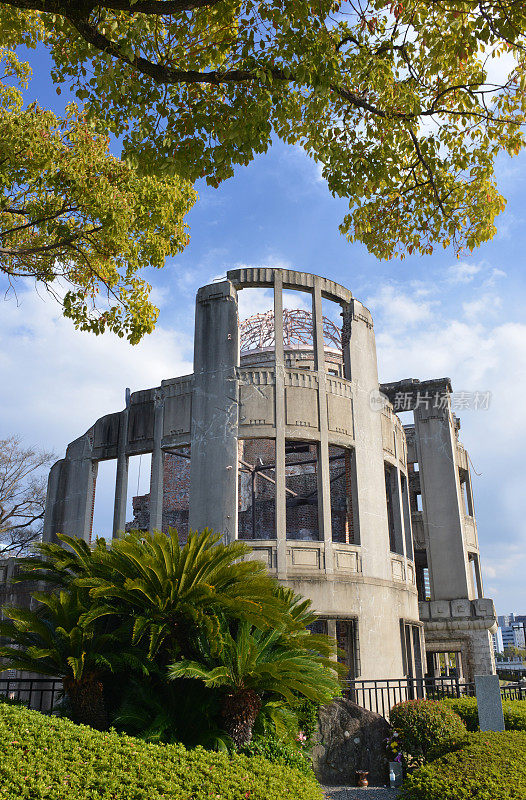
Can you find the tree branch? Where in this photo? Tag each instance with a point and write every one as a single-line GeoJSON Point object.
{"type": "Point", "coordinates": [56, 245]}
{"type": "Point", "coordinates": [85, 7]}
{"type": "Point", "coordinates": [427, 169]}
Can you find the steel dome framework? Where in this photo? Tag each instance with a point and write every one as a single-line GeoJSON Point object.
{"type": "Point", "coordinates": [257, 332]}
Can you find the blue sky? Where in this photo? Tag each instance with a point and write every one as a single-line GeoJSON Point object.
{"type": "Point", "coordinates": [435, 316]}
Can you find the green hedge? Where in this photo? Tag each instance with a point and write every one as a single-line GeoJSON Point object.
{"type": "Point", "coordinates": [491, 766]}
{"type": "Point", "coordinates": [278, 752]}
{"type": "Point", "coordinates": [47, 758]}
{"type": "Point", "coordinates": [466, 708]}
{"type": "Point", "coordinates": [426, 729]}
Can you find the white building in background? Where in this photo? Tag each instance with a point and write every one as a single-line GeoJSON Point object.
{"type": "Point", "coordinates": [513, 635]}
{"type": "Point", "coordinates": [496, 637]}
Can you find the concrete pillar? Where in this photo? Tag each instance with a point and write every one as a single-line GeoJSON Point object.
{"type": "Point", "coordinates": [121, 478]}
{"type": "Point", "coordinates": [215, 406]}
{"type": "Point", "coordinates": [279, 376]}
{"type": "Point", "coordinates": [324, 486]}
{"type": "Point", "coordinates": [157, 471]}
{"type": "Point", "coordinates": [54, 501]}
{"type": "Point", "coordinates": [71, 492]}
{"type": "Point", "coordinates": [441, 501]}
{"type": "Point", "coordinates": [359, 353]}
{"type": "Point", "coordinates": [52, 514]}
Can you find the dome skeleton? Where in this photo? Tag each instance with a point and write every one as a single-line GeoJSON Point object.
{"type": "Point", "coordinates": [257, 332]}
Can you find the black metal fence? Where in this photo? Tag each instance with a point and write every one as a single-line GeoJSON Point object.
{"type": "Point", "coordinates": [514, 691]}
{"type": "Point", "coordinates": [382, 694]}
{"type": "Point", "coordinates": [42, 694]}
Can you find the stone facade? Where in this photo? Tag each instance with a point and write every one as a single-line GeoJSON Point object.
{"type": "Point", "coordinates": [297, 449]}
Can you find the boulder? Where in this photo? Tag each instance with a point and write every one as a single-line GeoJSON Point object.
{"type": "Point", "coordinates": [350, 738]}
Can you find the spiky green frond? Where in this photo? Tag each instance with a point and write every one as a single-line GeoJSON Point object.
{"type": "Point", "coordinates": [169, 588]}
{"type": "Point", "coordinates": [264, 661]}
{"type": "Point", "coordinates": [55, 640]}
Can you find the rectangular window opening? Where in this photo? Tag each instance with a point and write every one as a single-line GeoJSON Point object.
{"type": "Point", "coordinates": [418, 501]}
{"type": "Point", "coordinates": [138, 495]}
{"type": "Point", "coordinates": [332, 337]}
{"type": "Point", "coordinates": [407, 517]}
{"type": "Point", "coordinates": [319, 626]}
{"type": "Point", "coordinates": [297, 324]}
{"type": "Point", "coordinates": [347, 642]}
{"type": "Point", "coordinates": [417, 650]}
{"type": "Point", "coordinates": [412, 657]}
{"type": "Point", "coordinates": [422, 576]}
{"type": "Point", "coordinates": [394, 516]}
{"type": "Point", "coordinates": [257, 489]}
{"type": "Point", "coordinates": [104, 501]}
{"type": "Point", "coordinates": [475, 575]}
{"type": "Point", "coordinates": [344, 501]}
{"type": "Point", "coordinates": [176, 497]}
{"type": "Point", "coordinates": [256, 326]}
{"type": "Point", "coordinates": [301, 482]}
{"type": "Point", "coordinates": [465, 489]}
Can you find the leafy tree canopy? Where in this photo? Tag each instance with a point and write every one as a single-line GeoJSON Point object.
{"type": "Point", "coordinates": [396, 99]}
{"type": "Point", "coordinates": [71, 211]}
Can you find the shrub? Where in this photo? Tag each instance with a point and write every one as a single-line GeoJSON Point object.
{"type": "Point", "coordinates": [426, 729]}
{"type": "Point", "coordinates": [466, 707]}
{"type": "Point", "coordinates": [279, 752]}
{"type": "Point", "coordinates": [54, 759]}
{"type": "Point", "coordinates": [489, 766]}
{"type": "Point", "coordinates": [307, 712]}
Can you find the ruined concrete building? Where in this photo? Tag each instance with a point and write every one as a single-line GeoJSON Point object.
{"type": "Point", "coordinates": [289, 442]}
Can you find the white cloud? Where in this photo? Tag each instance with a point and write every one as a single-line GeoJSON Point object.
{"type": "Point", "coordinates": [484, 306]}
{"type": "Point", "coordinates": [493, 277]}
{"type": "Point", "coordinates": [56, 381]}
{"type": "Point", "coordinates": [463, 271]}
{"type": "Point", "coordinates": [398, 308]}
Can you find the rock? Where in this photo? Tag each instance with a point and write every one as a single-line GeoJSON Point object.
{"type": "Point", "coordinates": [350, 738]}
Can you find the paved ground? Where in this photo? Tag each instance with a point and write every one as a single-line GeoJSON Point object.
{"type": "Point", "coordinates": [354, 793]}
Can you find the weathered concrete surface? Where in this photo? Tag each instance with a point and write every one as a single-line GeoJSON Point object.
{"type": "Point", "coordinates": [350, 738]}
{"type": "Point", "coordinates": [213, 472]}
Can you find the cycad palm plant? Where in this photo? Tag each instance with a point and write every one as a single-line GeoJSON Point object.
{"type": "Point", "coordinates": [251, 663]}
{"type": "Point", "coordinates": [167, 588]}
{"type": "Point", "coordinates": [172, 590]}
{"type": "Point", "coordinates": [54, 640]}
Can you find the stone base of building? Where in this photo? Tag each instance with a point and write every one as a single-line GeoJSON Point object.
{"type": "Point", "coordinates": [462, 627]}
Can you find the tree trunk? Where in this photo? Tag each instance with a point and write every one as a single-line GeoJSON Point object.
{"type": "Point", "coordinates": [240, 710]}
{"type": "Point", "coordinates": [87, 703]}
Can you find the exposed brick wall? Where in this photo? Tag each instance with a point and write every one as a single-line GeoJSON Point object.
{"type": "Point", "coordinates": [302, 518]}
{"type": "Point", "coordinates": [176, 492]}
{"type": "Point", "coordinates": [141, 513]}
